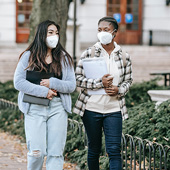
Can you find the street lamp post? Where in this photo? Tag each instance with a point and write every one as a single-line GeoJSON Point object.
{"type": "Point", "coordinates": [74, 34]}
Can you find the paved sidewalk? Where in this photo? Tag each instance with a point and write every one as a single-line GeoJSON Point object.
{"type": "Point", "coordinates": [13, 154]}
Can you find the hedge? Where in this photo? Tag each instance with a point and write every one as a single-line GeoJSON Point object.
{"type": "Point", "coordinates": [145, 121]}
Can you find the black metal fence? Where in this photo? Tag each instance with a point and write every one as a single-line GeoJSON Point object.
{"type": "Point", "coordinates": [8, 104]}
{"type": "Point", "coordinates": [137, 153]}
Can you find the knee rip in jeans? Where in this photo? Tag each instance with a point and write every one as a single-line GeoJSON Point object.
{"type": "Point", "coordinates": [35, 153]}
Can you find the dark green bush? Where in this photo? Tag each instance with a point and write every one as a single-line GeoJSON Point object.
{"type": "Point", "coordinates": [8, 92]}
{"type": "Point", "coordinates": [138, 92]}
{"type": "Point", "coordinates": [144, 121]}
{"type": "Point", "coordinates": [149, 122]}
{"type": "Point", "coordinates": [12, 121]}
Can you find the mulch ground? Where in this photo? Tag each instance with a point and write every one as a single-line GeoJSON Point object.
{"type": "Point", "coordinates": [13, 154]}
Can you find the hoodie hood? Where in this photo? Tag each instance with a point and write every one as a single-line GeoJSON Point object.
{"type": "Point", "coordinates": [116, 49]}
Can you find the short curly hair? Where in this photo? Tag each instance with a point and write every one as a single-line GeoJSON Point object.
{"type": "Point", "coordinates": [111, 20]}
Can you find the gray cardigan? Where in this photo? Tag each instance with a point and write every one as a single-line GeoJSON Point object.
{"type": "Point", "coordinates": [64, 87]}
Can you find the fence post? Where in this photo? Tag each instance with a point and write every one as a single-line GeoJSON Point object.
{"type": "Point", "coordinates": [150, 37]}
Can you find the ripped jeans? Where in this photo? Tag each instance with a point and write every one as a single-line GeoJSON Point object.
{"type": "Point", "coordinates": [46, 131]}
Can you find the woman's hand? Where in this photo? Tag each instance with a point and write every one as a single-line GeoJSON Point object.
{"type": "Point", "coordinates": [112, 90]}
{"type": "Point", "coordinates": [51, 94]}
{"type": "Point", "coordinates": [45, 82]}
{"type": "Point", "coordinates": [106, 80]}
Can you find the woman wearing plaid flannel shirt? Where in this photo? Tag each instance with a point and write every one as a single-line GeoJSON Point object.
{"type": "Point", "coordinates": [104, 111]}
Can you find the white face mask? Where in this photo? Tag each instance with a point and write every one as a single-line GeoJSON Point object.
{"type": "Point", "coordinates": [105, 37]}
{"type": "Point", "coordinates": [52, 41]}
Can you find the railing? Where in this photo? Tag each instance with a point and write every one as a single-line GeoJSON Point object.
{"type": "Point", "coordinates": [8, 104]}
{"type": "Point", "coordinates": [137, 153]}
{"type": "Point", "coordinates": [159, 37]}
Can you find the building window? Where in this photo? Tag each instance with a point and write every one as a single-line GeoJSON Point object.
{"type": "Point", "coordinates": [23, 12]}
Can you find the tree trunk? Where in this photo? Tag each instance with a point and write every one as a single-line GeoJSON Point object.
{"type": "Point", "coordinates": [55, 10]}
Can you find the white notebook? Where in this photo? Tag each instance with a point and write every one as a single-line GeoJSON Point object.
{"type": "Point", "coordinates": [95, 68]}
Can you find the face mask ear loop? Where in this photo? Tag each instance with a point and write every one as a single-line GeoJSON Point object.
{"type": "Point", "coordinates": [113, 32]}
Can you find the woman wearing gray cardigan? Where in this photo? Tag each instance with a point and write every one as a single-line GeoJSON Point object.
{"type": "Point", "coordinates": [45, 125]}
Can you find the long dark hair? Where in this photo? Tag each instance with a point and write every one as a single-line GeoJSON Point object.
{"type": "Point", "coordinates": [38, 49]}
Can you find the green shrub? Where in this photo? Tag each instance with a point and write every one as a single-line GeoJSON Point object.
{"type": "Point", "coordinates": [149, 122]}
{"type": "Point", "coordinates": [12, 121]}
{"type": "Point", "coordinates": [144, 121]}
{"type": "Point", "coordinates": [8, 92]}
{"type": "Point", "coordinates": [138, 92]}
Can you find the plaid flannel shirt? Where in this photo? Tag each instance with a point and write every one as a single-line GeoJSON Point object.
{"type": "Point", "coordinates": [86, 83]}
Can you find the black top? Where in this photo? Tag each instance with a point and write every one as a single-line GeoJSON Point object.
{"type": "Point", "coordinates": [36, 76]}
{"type": "Point", "coordinates": [48, 72]}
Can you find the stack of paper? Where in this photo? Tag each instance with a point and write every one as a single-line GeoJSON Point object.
{"type": "Point", "coordinates": [95, 68]}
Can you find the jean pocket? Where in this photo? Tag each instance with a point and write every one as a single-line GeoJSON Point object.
{"type": "Point", "coordinates": [117, 114]}
{"type": "Point", "coordinates": [36, 109]}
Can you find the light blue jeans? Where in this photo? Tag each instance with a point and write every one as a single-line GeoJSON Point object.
{"type": "Point", "coordinates": [46, 131]}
